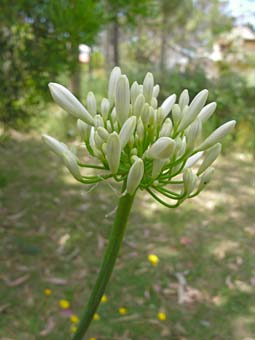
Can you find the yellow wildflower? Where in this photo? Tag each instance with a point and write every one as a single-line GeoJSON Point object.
{"type": "Point", "coordinates": [123, 310]}
{"type": "Point", "coordinates": [47, 291]}
{"type": "Point", "coordinates": [96, 316]}
{"type": "Point", "coordinates": [153, 259]}
{"type": "Point", "coordinates": [92, 339]}
{"type": "Point", "coordinates": [104, 299]}
{"type": "Point", "coordinates": [162, 316]}
{"type": "Point", "coordinates": [74, 319]}
{"type": "Point", "coordinates": [64, 304]}
{"type": "Point", "coordinates": [73, 329]}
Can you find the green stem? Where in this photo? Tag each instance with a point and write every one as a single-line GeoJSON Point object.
{"type": "Point", "coordinates": [111, 253]}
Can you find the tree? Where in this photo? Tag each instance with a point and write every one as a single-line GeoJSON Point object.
{"type": "Point", "coordinates": [38, 42]}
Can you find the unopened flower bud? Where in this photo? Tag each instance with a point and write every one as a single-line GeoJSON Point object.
{"type": "Point", "coordinates": [210, 156]}
{"type": "Point", "coordinates": [163, 148]}
{"type": "Point", "coordinates": [181, 145]}
{"type": "Point", "coordinates": [98, 121]}
{"type": "Point", "coordinates": [71, 163]}
{"type": "Point", "coordinates": [84, 130]}
{"type": "Point", "coordinates": [193, 159]}
{"type": "Point", "coordinates": [157, 167]}
{"type": "Point", "coordinates": [140, 129]}
{"type": "Point", "coordinates": [192, 133]}
{"type": "Point", "coordinates": [148, 85]}
{"type": "Point", "coordinates": [205, 178]}
{"type": "Point", "coordinates": [154, 103]}
{"type": "Point", "coordinates": [189, 181]}
{"type": "Point", "coordinates": [168, 104]}
{"type": "Point", "coordinates": [166, 128]}
{"type": "Point", "coordinates": [65, 99]}
{"type": "Point", "coordinates": [91, 103]}
{"type": "Point", "coordinates": [134, 92]}
{"type": "Point", "coordinates": [194, 108]}
{"type": "Point", "coordinates": [176, 114]}
{"type": "Point", "coordinates": [114, 77]}
{"type": "Point", "coordinates": [103, 133]}
{"type": "Point", "coordinates": [139, 103]}
{"type": "Point", "coordinates": [206, 112]}
{"type": "Point", "coordinates": [127, 131]}
{"type": "Point", "coordinates": [58, 147]}
{"type": "Point", "coordinates": [217, 135]}
{"type": "Point", "coordinates": [98, 140]}
{"type": "Point", "coordinates": [113, 151]}
{"type": "Point", "coordinates": [122, 99]}
{"type": "Point", "coordinates": [109, 126]}
{"type": "Point", "coordinates": [184, 99]}
{"type": "Point", "coordinates": [105, 107]}
{"type": "Point", "coordinates": [145, 114]}
{"type": "Point", "coordinates": [155, 91]}
{"type": "Point", "coordinates": [135, 176]}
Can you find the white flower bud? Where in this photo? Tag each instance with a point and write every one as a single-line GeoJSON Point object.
{"type": "Point", "coordinates": [166, 128]}
{"type": "Point", "coordinates": [138, 105]}
{"type": "Point", "coordinates": [163, 148]}
{"type": "Point", "coordinates": [70, 161]}
{"type": "Point", "coordinates": [65, 99]}
{"type": "Point", "coordinates": [194, 108]}
{"type": "Point", "coordinates": [109, 126]}
{"type": "Point", "coordinates": [217, 135]}
{"type": "Point", "coordinates": [206, 112]}
{"type": "Point", "coordinates": [193, 159]}
{"type": "Point", "coordinates": [148, 85]}
{"type": "Point", "coordinates": [180, 146]}
{"type": "Point", "coordinates": [140, 129]}
{"type": "Point", "coordinates": [210, 156]}
{"type": "Point", "coordinates": [113, 151]}
{"type": "Point", "coordinates": [98, 140]}
{"type": "Point", "coordinates": [122, 99]}
{"type": "Point", "coordinates": [103, 133]}
{"type": "Point", "coordinates": [157, 167]}
{"type": "Point", "coordinates": [105, 107]}
{"type": "Point", "coordinates": [135, 176]}
{"type": "Point", "coordinates": [176, 114]}
{"type": "Point", "coordinates": [152, 116]}
{"type": "Point", "coordinates": [127, 131]}
{"type": "Point", "coordinates": [114, 77]}
{"type": "Point", "coordinates": [184, 99]}
{"type": "Point", "coordinates": [192, 133]}
{"type": "Point", "coordinates": [145, 114]}
{"type": "Point", "coordinates": [114, 115]}
{"type": "Point", "coordinates": [84, 130]}
{"type": "Point", "coordinates": [205, 178]}
{"type": "Point", "coordinates": [58, 147]}
{"type": "Point", "coordinates": [134, 152]}
{"type": "Point", "coordinates": [98, 121]}
{"type": "Point", "coordinates": [134, 92]}
{"type": "Point", "coordinates": [91, 103]}
{"type": "Point", "coordinates": [155, 91]}
{"type": "Point", "coordinates": [189, 181]}
{"type": "Point", "coordinates": [168, 104]}
{"type": "Point", "coordinates": [154, 103]}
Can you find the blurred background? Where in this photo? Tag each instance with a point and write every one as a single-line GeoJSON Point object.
{"type": "Point", "coordinates": [53, 230]}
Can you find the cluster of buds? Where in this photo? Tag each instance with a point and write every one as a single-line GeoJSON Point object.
{"type": "Point", "coordinates": [147, 146]}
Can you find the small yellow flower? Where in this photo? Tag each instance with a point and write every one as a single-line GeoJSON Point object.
{"type": "Point", "coordinates": [153, 259]}
{"type": "Point", "coordinates": [123, 310]}
{"type": "Point", "coordinates": [73, 329]}
{"type": "Point", "coordinates": [162, 316]}
{"type": "Point", "coordinates": [47, 291]}
{"type": "Point", "coordinates": [74, 319]}
{"type": "Point", "coordinates": [104, 299]}
{"type": "Point", "coordinates": [96, 316]}
{"type": "Point", "coordinates": [92, 339]}
{"type": "Point", "coordinates": [64, 304]}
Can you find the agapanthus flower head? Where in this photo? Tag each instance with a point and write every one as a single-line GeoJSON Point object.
{"type": "Point", "coordinates": [145, 145]}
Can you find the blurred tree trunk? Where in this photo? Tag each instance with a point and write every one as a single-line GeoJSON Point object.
{"type": "Point", "coordinates": [115, 41]}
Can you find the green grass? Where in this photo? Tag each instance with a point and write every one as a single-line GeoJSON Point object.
{"type": "Point", "coordinates": [52, 228]}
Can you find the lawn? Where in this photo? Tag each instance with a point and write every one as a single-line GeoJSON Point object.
{"type": "Point", "coordinates": [53, 234]}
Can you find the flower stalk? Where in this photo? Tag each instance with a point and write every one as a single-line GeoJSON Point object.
{"type": "Point", "coordinates": [111, 253]}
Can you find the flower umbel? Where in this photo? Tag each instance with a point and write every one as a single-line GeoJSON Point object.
{"type": "Point", "coordinates": [136, 141]}
{"type": "Point", "coordinates": [142, 145]}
